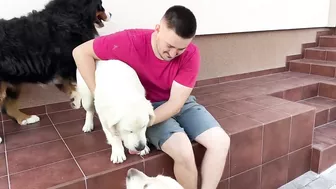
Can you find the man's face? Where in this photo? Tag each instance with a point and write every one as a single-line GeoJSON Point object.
{"type": "Point", "coordinates": [168, 44]}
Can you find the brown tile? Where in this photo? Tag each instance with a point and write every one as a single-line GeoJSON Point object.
{"type": "Point", "coordinates": [161, 163]}
{"type": "Point", "coordinates": [245, 93]}
{"type": "Point", "coordinates": [323, 70]}
{"type": "Point", "coordinates": [299, 162]}
{"type": "Point", "coordinates": [38, 110]}
{"type": "Point", "coordinates": [332, 114]}
{"type": "Point", "coordinates": [237, 124]}
{"type": "Point", "coordinates": [328, 130]}
{"type": "Point", "coordinates": [36, 156]}
{"type": "Point", "coordinates": [293, 108]}
{"type": "Point", "coordinates": [327, 158]}
{"type": "Point", "coordinates": [211, 99]}
{"type": "Point", "coordinates": [266, 116]}
{"type": "Point", "coordinates": [299, 67]}
{"type": "Point", "coordinates": [331, 56]}
{"type": "Point", "coordinates": [315, 161]}
{"type": "Point", "coordinates": [99, 162]}
{"type": "Point", "coordinates": [277, 94]}
{"type": "Point", "coordinates": [3, 167]}
{"type": "Point", "coordinates": [327, 41]}
{"type": "Point", "coordinates": [310, 91]}
{"type": "Point", "coordinates": [4, 182]}
{"type": "Point", "coordinates": [50, 108]}
{"type": "Point", "coordinates": [205, 82]}
{"type": "Point", "coordinates": [73, 128]}
{"type": "Point", "coordinates": [301, 130]}
{"type": "Point", "coordinates": [223, 184]}
{"type": "Point", "coordinates": [31, 137]}
{"type": "Point", "coordinates": [221, 87]}
{"type": "Point", "coordinates": [245, 150]}
{"type": "Point", "coordinates": [219, 113]}
{"type": "Point", "coordinates": [240, 106]}
{"type": "Point", "coordinates": [322, 113]}
{"type": "Point", "coordinates": [77, 184]}
{"type": "Point", "coordinates": [276, 139]}
{"type": "Point", "coordinates": [327, 90]}
{"type": "Point", "coordinates": [12, 126]}
{"type": "Point", "coordinates": [103, 180]}
{"type": "Point", "coordinates": [294, 94]}
{"type": "Point", "coordinates": [65, 116]}
{"type": "Point", "coordinates": [266, 100]}
{"type": "Point", "coordinates": [274, 173]}
{"type": "Point", "coordinates": [250, 178]}
{"type": "Point", "coordinates": [87, 143]}
{"type": "Point", "coordinates": [322, 101]}
{"type": "Point", "coordinates": [315, 54]}
{"type": "Point", "coordinates": [322, 142]}
{"type": "Point", "coordinates": [32, 179]}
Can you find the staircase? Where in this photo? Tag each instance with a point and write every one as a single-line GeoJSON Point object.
{"type": "Point", "coordinates": [321, 60]}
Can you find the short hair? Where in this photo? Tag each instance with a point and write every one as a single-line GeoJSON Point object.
{"type": "Point", "coordinates": [181, 20]}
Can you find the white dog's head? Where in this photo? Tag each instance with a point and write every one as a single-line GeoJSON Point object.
{"type": "Point", "coordinates": [138, 180]}
{"type": "Point", "coordinates": [132, 124]}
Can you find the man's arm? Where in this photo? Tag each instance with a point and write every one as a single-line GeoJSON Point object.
{"type": "Point", "coordinates": [178, 96]}
{"type": "Point", "coordinates": [85, 58]}
{"type": "Point", "coordinates": [180, 90]}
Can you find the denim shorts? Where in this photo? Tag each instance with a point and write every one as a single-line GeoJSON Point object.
{"type": "Point", "coordinates": [193, 119]}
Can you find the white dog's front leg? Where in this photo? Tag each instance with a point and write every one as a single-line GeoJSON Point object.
{"type": "Point", "coordinates": [118, 152]}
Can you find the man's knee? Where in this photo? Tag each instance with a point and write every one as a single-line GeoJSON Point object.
{"type": "Point", "coordinates": [215, 139]}
{"type": "Point", "coordinates": [179, 148]}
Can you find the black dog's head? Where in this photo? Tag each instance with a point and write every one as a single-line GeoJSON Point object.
{"type": "Point", "coordinates": [101, 15]}
{"type": "Point", "coordinates": [84, 10]}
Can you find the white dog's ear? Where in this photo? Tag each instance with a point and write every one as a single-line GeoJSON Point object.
{"type": "Point", "coordinates": [151, 113]}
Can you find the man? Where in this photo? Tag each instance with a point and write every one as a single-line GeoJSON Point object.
{"type": "Point", "coordinates": [167, 64]}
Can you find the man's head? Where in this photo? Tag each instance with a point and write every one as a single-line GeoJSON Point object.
{"type": "Point", "coordinates": [176, 30]}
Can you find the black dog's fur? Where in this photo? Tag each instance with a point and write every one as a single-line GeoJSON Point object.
{"type": "Point", "coordinates": [37, 48]}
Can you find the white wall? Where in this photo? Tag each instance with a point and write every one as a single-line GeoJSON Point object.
{"type": "Point", "coordinates": [332, 13]}
{"type": "Point", "coordinates": [214, 16]}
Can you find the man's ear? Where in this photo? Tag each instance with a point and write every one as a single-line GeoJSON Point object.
{"type": "Point", "coordinates": [151, 113]}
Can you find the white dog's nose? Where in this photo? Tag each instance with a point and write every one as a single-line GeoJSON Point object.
{"type": "Point", "coordinates": [140, 147]}
{"type": "Point", "coordinates": [108, 15]}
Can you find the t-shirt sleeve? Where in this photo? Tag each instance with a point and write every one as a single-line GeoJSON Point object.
{"type": "Point", "coordinates": [188, 72]}
{"type": "Point", "coordinates": [113, 46]}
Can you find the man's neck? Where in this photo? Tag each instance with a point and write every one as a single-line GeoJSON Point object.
{"type": "Point", "coordinates": [153, 43]}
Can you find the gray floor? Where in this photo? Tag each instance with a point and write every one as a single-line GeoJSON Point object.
{"type": "Point", "coordinates": [311, 180]}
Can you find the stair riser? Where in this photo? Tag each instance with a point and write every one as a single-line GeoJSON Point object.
{"type": "Point", "coordinates": [322, 160]}
{"type": "Point", "coordinates": [316, 69]}
{"type": "Point", "coordinates": [320, 55]}
{"type": "Point", "coordinates": [327, 42]}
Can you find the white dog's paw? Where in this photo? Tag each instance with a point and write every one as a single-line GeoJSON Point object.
{"type": "Point", "coordinates": [76, 101]}
{"type": "Point", "coordinates": [0, 140]}
{"type": "Point", "coordinates": [118, 155]}
{"type": "Point", "coordinates": [88, 127]}
{"type": "Point", "coordinates": [145, 151]}
{"type": "Point", "coordinates": [30, 120]}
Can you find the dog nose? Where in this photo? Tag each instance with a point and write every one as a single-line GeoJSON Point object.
{"type": "Point", "coordinates": [140, 147]}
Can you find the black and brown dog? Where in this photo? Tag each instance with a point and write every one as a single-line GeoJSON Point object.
{"type": "Point", "coordinates": [37, 48]}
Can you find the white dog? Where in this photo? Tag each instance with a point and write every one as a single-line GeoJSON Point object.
{"type": "Point", "coordinates": [138, 180]}
{"type": "Point", "coordinates": [123, 110]}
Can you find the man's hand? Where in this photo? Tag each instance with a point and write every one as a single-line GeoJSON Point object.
{"type": "Point", "coordinates": [178, 96]}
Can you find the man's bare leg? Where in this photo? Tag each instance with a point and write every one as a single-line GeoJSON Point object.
{"type": "Point", "coordinates": [179, 148]}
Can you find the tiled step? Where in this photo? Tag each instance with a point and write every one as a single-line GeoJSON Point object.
{"type": "Point", "coordinates": [324, 147]}
{"type": "Point", "coordinates": [327, 41]}
{"type": "Point", "coordinates": [320, 53]}
{"type": "Point", "coordinates": [271, 139]}
{"type": "Point", "coordinates": [315, 67]}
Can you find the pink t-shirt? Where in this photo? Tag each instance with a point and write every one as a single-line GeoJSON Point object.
{"type": "Point", "coordinates": [133, 47]}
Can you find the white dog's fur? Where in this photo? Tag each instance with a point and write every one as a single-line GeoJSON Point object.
{"type": "Point", "coordinates": [138, 180]}
{"type": "Point", "coordinates": [123, 110]}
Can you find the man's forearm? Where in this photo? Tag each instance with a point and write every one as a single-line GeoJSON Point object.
{"type": "Point", "coordinates": [165, 111]}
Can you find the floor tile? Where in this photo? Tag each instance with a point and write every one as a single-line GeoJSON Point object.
{"type": "Point", "coordinates": [31, 137]}
{"type": "Point", "coordinates": [266, 100]}
{"type": "Point", "coordinates": [37, 155]}
{"type": "Point", "coordinates": [73, 128]}
{"type": "Point", "coordinates": [12, 126]}
{"type": "Point", "coordinates": [3, 165]}
{"type": "Point", "coordinates": [87, 143]}
{"type": "Point", "coordinates": [38, 110]}
{"type": "Point", "coordinates": [219, 113]}
{"type": "Point", "coordinates": [292, 108]}
{"type": "Point", "coordinates": [240, 106]}
{"type": "Point", "coordinates": [60, 172]}
{"type": "Point", "coordinates": [4, 182]}
{"type": "Point", "coordinates": [299, 162]}
{"type": "Point", "coordinates": [65, 116]}
{"type": "Point", "coordinates": [237, 124]}
{"type": "Point", "coordinates": [50, 108]}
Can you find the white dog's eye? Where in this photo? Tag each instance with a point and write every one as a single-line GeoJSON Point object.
{"type": "Point", "coordinates": [145, 186]}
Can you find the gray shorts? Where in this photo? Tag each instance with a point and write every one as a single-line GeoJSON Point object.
{"type": "Point", "coordinates": [193, 119]}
